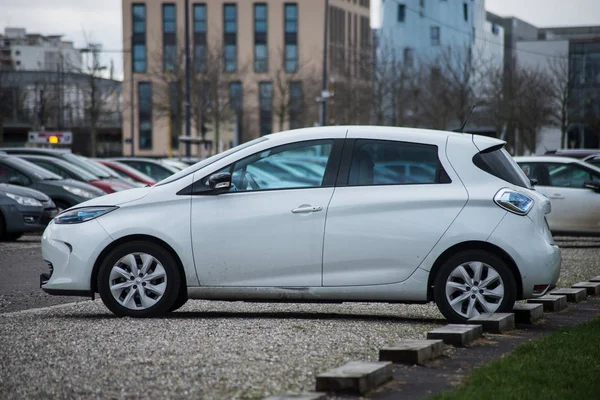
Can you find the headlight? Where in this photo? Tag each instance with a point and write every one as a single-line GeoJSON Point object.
{"type": "Point", "coordinates": [513, 201]}
{"type": "Point", "coordinates": [80, 215]}
{"type": "Point", "coordinates": [24, 201]}
{"type": "Point", "coordinates": [79, 192]}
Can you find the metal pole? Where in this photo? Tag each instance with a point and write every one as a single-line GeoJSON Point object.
{"type": "Point", "coordinates": [188, 127]}
{"type": "Point", "coordinates": [324, 83]}
{"type": "Point", "coordinates": [131, 107]}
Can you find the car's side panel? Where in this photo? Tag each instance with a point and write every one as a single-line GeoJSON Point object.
{"type": "Point", "coordinates": [380, 234]}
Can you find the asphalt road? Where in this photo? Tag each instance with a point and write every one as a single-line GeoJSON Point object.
{"type": "Point", "coordinates": [211, 350]}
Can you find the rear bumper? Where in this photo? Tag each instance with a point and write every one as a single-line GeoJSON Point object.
{"type": "Point", "coordinates": [537, 259]}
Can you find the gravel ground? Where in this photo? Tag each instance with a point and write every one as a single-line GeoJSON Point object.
{"type": "Point", "coordinates": [209, 350]}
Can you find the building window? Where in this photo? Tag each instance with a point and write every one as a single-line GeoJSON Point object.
{"type": "Point", "coordinates": [230, 36]}
{"type": "Point", "coordinates": [291, 37]}
{"type": "Point", "coordinates": [435, 35]}
{"type": "Point", "coordinates": [260, 38]}
{"type": "Point", "coordinates": [17, 52]}
{"type": "Point", "coordinates": [466, 11]}
{"type": "Point", "coordinates": [401, 12]}
{"type": "Point", "coordinates": [295, 102]}
{"type": "Point", "coordinates": [145, 115]}
{"type": "Point", "coordinates": [265, 99]}
{"type": "Point", "coordinates": [409, 57]}
{"type": "Point", "coordinates": [236, 101]}
{"type": "Point", "coordinates": [199, 15]}
{"type": "Point", "coordinates": [138, 38]}
{"type": "Point", "coordinates": [169, 38]}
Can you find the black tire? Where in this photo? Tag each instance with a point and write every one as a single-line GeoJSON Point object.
{"type": "Point", "coordinates": [173, 278]}
{"type": "Point", "coordinates": [12, 236]}
{"type": "Point", "coordinates": [493, 261]}
{"type": "Point", "coordinates": [180, 301]}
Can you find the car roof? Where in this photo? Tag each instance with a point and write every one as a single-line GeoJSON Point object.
{"type": "Point", "coordinates": [32, 150]}
{"type": "Point", "coordinates": [559, 160]}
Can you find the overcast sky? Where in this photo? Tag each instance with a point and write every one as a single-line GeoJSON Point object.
{"type": "Point", "coordinates": [101, 19]}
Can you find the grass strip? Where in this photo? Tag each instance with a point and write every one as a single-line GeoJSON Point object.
{"type": "Point", "coordinates": [563, 365]}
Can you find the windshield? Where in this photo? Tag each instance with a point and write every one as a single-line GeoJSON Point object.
{"type": "Point", "coordinates": [211, 160]}
{"type": "Point", "coordinates": [38, 172]}
{"type": "Point", "coordinates": [87, 165]}
{"type": "Point", "coordinates": [79, 172]}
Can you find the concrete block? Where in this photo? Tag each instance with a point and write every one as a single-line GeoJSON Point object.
{"type": "Point", "coordinates": [412, 351]}
{"type": "Point", "coordinates": [299, 396]}
{"type": "Point", "coordinates": [595, 279]}
{"type": "Point", "coordinates": [494, 323]}
{"type": "Point", "coordinates": [551, 303]}
{"type": "Point", "coordinates": [593, 288]}
{"type": "Point", "coordinates": [355, 377]}
{"type": "Point", "coordinates": [573, 295]}
{"type": "Point", "coordinates": [528, 313]}
{"type": "Point", "coordinates": [456, 334]}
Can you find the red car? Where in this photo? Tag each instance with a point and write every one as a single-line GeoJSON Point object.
{"type": "Point", "coordinates": [127, 172]}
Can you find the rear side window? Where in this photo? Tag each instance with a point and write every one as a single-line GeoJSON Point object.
{"type": "Point", "coordinates": [496, 161]}
{"type": "Point", "coordinates": [382, 162]}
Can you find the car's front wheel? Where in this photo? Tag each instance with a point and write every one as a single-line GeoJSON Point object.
{"type": "Point", "coordinates": [472, 283]}
{"type": "Point", "coordinates": [139, 279]}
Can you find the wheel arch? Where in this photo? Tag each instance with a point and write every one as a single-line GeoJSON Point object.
{"type": "Point", "coordinates": [125, 239]}
{"type": "Point", "coordinates": [474, 245]}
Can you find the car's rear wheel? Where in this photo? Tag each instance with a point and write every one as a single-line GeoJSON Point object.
{"type": "Point", "coordinates": [472, 283]}
{"type": "Point", "coordinates": [139, 279]}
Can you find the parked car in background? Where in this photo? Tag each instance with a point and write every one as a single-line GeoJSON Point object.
{"type": "Point", "coordinates": [88, 165]}
{"type": "Point", "coordinates": [67, 170]}
{"type": "Point", "coordinates": [573, 153]}
{"type": "Point", "coordinates": [155, 169]}
{"type": "Point", "coordinates": [470, 236]}
{"type": "Point", "coordinates": [23, 210]}
{"type": "Point", "coordinates": [64, 193]}
{"type": "Point", "coordinates": [593, 159]}
{"type": "Point", "coordinates": [573, 188]}
{"type": "Point", "coordinates": [127, 172]}
{"type": "Point", "coordinates": [180, 165]}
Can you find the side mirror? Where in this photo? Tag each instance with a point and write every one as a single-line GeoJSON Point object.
{"type": "Point", "coordinates": [16, 181]}
{"type": "Point", "coordinates": [534, 182]}
{"type": "Point", "coordinates": [220, 182]}
{"type": "Point", "coordinates": [595, 186]}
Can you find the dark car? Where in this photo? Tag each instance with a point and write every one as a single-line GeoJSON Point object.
{"type": "Point", "coordinates": [127, 172]}
{"type": "Point", "coordinates": [71, 171]}
{"type": "Point", "coordinates": [593, 159]}
{"type": "Point", "coordinates": [573, 153]}
{"type": "Point", "coordinates": [153, 168]}
{"type": "Point", "coordinates": [88, 165]}
{"type": "Point", "coordinates": [64, 193]}
{"type": "Point", "coordinates": [23, 210]}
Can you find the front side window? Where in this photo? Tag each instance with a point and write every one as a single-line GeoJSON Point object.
{"type": "Point", "coordinates": [570, 176]}
{"type": "Point", "coordinates": [381, 162]}
{"type": "Point", "coordinates": [297, 165]}
{"type": "Point", "coordinates": [11, 175]}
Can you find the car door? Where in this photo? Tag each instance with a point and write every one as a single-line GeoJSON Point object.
{"type": "Point", "coordinates": [574, 207]}
{"type": "Point", "coordinates": [383, 221]}
{"type": "Point", "coordinates": [268, 229]}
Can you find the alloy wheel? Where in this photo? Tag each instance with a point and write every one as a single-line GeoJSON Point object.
{"type": "Point", "coordinates": [137, 281]}
{"type": "Point", "coordinates": [474, 288]}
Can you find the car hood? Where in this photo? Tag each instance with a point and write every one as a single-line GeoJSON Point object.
{"type": "Point", "coordinates": [118, 198]}
{"type": "Point", "coordinates": [74, 183]}
{"type": "Point", "coordinates": [21, 191]}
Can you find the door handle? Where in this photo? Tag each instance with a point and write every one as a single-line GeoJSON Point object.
{"type": "Point", "coordinates": [557, 196]}
{"type": "Point", "coordinates": [306, 209]}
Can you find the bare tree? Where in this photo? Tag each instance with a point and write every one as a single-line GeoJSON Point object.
{"type": "Point", "coordinates": [294, 94]}
{"type": "Point", "coordinates": [561, 79]}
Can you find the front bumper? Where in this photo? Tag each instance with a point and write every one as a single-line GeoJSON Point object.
{"type": "Point", "coordinates": [26, 218]}
{"type": "Point", "coordinates": [71, 251]}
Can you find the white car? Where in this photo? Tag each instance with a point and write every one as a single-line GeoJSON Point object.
{"type": "Point", "coordinates": [573, 187]}
{"type": "Point", "coordinates": [472, 236]}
